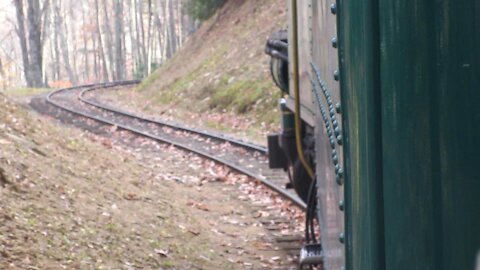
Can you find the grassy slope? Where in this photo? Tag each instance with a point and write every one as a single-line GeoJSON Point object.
{"type": "Point", "coordinates": [222, 67]}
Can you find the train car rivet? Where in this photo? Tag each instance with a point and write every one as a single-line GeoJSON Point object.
{"type": "Point", "coordinates": [336, 75]}
{"type": "Point", "coordinates": [338, 179]}
{"type": "Point", "coordinates": [332, 143]}
{"type": "Point", "coordinates": [334, 43]}
{"type": "Point", "coordinates": [342, 238]}
{"type": "Point", "coordinates": [333, 8]}
{"type": "Point", "coordinates": [341, 205]}
{"type": "Point", "coordinates": [339, 108]}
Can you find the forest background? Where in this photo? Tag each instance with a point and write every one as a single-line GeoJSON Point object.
{"type": "Point", "coordinates": [58, 43]}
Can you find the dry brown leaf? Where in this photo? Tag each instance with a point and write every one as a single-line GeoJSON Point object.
{"type": "Point", "coordinates": [194, 232]}
{"type": "Point", "coordinates": [131, 197]}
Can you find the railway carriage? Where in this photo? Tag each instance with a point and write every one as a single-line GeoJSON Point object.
{"type": "Point", "coordinates": [380, 123]}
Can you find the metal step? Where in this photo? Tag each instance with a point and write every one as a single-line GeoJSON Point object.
{"type": "Point", "coordinates": [311, 254]}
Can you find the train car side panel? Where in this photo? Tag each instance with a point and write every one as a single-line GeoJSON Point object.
{"type": "Point", "coordinates": [430, 95]}
{"type": "Point", "coordinates": [359, 54]}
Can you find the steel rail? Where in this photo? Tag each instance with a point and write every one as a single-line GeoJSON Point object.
{"type": "Point", "coordinates": [284, 193]}
{"type": "Point", "coordinates": [219, 137]}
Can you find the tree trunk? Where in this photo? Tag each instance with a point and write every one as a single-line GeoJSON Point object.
{"type": "Point", "coordinates": [138, 29]}
{"type": "Point", "coordinates": [165, 31]}
{"type": "Point", "coordinates": [148, 57]}
{"type": "Point", "coordinates": [141, 31]}
{"type": "Point", "coordinates": [180, 33]}
{"type": "Point", "coordinates": [119, 65]}
{"type": "Point", "coordinates": [168, 28]}
{"type": "Point", "coordinates": [100, 44]}
{"type": "Point", "coordinates": [108, 41]}
{"type": "Point", "coordinates": [95, 55]}
{"type": "Point", "coordinates": [73, 37]}
{"type": "Point", "coordinates": [45, 18]}
{"type": "Point", "coordinates": [53, 64]}
{"type": "Point", "coordinates": [23, 40]}
{"type": "Point", "coordinates": [173, 31]}
{"type": "Point", "coordinates": [86, 73]}
{"type": "Point", "coordinates": [56, 49]}
{"type": "Point", "coordinates": [158, 25]}
{"type": "Point", "coordinates": [133, 41]}
{"type": "Point", "coordinates": [34, 42]}
{"type": "Point", "coordinates": [45, 15]}
{"type": "Point", "coordinates": [63, 42]}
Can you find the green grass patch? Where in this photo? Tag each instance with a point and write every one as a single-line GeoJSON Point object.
{"type": "Point", "coordinates": [168, 264]}
{"type": "Point", "coordinates": [182, 88]}
{"type": "Point", "coordinates": [209, 64]}
{"type": "Point", "coordinates": [241, 96]}
{"type": "Point", "coordinates": [156, 74]}
{"type": "Point", "coordinates": [25, 91]}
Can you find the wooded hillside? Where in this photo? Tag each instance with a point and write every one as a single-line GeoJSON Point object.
{"type": "Point", "coordinates": [62, 42]}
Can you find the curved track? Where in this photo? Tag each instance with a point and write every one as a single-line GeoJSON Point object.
{"type": "Point", "coordinates": [219, 137]}
{"type": "Point", "coordinates": [244, 157]}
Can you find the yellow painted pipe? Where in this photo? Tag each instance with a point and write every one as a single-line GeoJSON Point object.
{"type": "Point", "coordinates": [296, 90]}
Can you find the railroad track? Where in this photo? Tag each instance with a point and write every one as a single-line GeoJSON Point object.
{"type": "Point", "coordinates": [241, 156]}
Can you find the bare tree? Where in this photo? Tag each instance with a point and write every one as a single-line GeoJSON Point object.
{"type": "Point", "coordinates": [20, 29]}
{"type": "Point", "coordinates": [85, 45]}
{"type": "Point", "coordinates": [100, 44]}
{"type": "Point", "coordinates": [54, 49]}
{"type": "Point", "coordinates": [45, 18]}
{"type": "Point", "coordinates": [95, 54]}
{"type": "Point", "coordinates": [72, 35]}
{"type": "Point", "coordinates": [61, 32]}
{"type": "Point", "coordinates": [34, 42]}
{"type": "Point", "coordinates": [132, 27]}
{"type": "Point", "coordinates": [108, 40]}
{"type": "Point", "coordinates": [141, 36]}
{"type": "Point", "coordinates": [148, 56]}
{"type": "Point", "coordinates": [119, 33]}
{"type": "Point", "coordinates": [159, 26]}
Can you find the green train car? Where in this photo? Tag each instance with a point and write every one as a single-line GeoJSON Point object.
{"type": "Point", "coordinates": [381, 130]}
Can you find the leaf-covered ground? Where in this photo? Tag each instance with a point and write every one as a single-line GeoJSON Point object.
{"type": "Point", "coordinates": [67, 202]}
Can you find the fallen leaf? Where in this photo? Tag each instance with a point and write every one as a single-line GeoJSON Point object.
{"type": "Point", "coordinates": [131, 197]}
{"type": "Point", "coordinates": [162, 252]}
{"type": "Point", "coordinates": [193, 232]}
{"type": "Point", "coordinates": [2, 141]}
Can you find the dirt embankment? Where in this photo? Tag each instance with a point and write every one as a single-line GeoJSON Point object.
{"type": "Point", "coordinates": [222, 70]}
{"type": "Point", "coordinates": [67, 202]}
